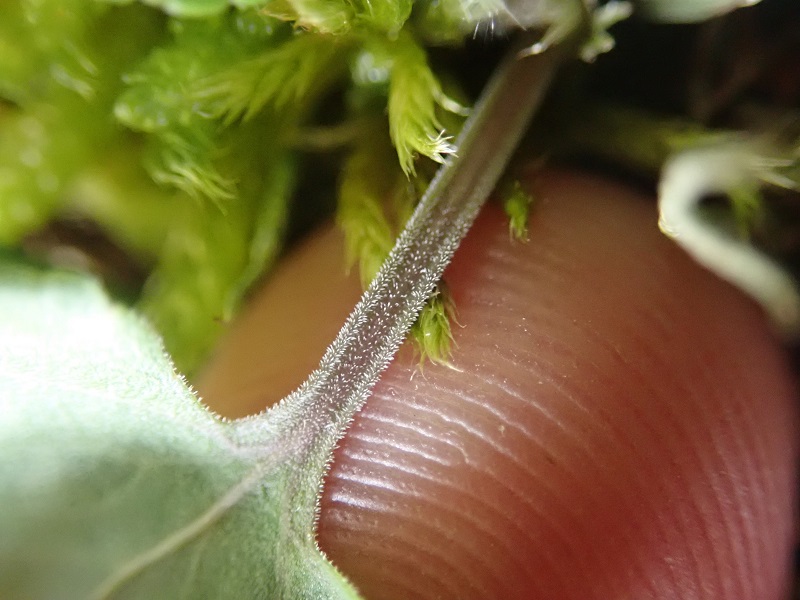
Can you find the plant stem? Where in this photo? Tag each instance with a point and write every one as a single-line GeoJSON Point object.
{"type": "Point", "coordinates": [323, 407]}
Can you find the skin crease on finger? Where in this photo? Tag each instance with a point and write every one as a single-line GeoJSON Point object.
{"type": "Point", "coordinates": [616, 423]}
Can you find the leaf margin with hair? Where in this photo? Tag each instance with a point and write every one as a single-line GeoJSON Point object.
{"type": "Point", "coordinates": [106, 452]}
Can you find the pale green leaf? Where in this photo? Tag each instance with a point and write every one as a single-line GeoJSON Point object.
{"type": "Point", "coordinates": [737, 168]}
{"type": "Point", "coordinates": [602, 19]}
{"type": "Point", "coordinates": [116, 482]}
{"type": "Point", "coordinates": [688, 11]}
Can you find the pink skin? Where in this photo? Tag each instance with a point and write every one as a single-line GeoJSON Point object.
{"type": "Point", "coordinates": [618, 423]}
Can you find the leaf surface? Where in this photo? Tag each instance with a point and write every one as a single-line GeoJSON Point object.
{"type": "Point", "coordinates": [115, 481]}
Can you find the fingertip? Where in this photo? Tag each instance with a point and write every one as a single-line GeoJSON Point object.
{"type": "Point", "coordinates": [619, 424]}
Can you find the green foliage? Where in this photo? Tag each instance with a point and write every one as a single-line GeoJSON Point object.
{"type": "Point", "coordinates": [285, 78]}
{"type": "Point", "coordinates": [339, 17]}
{"type": "Point", "coordinates": [517, 204]}
{"type": "Point", "coordinates": [40, 153]}
{"type": "Point", "coordinates": [160, 99]}
{"type": "Point", "coordinates": [123, 201]}
{"type": "Point", "coordinates": [43, 44]}
{"type": "Point", "coordinates": [333, 17]}
{"type": "Point", "coordinates": [449, 21]}
{"type": "Point", "coordinates": [204, 259]}
{"type": "Point", "coordinates": [116, 482]}
{"type": "Point", "coordinates": [213, 94]}
{"type": "Point", "coordinates": [61, 120]}
{"type": "Point", "coordinates": [369, 178]}
{"type": "Point", "coordinates": [414, 92]}
{"type": "Point", "coordinates": [431, 333]}
{"type": "Point", "coordinates": [209, 260]}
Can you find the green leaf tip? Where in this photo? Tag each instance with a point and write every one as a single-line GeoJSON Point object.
{"type": "Point", "coordinates": [688, 11]}
{"type": "Point", "coordinates": [432, 333]}
{"type": "Point", "coordinates": [517, 203]}
{"type": "Point", "coordinates": [361, 216]}
{"type": "Point", "coordinates": [414, 93]}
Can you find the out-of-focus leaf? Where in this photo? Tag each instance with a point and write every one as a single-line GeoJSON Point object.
{"type": "Point", "coordinates": [186, 8]}
{"type": "Point", "coordinates": [448, 21]}
{"type": "Point", "coordinates": [160, 99]}
{"type": "Point", "coordinates": [369, 178]}
{"type": "Point", "coordinates": [43, 43]}
{"type": "Point", "coordinates": [63, 120]}
{"type": "Point", "coordinates": [210, 258]}
{"type": "Point", "coordinates": [517, 206]}
{"type": "Point", "coordinates": [337, 17]}
{"type": "Point", "coordinates": [736, 167]}
{"type": "Point", "coordinates": [283, 77]}
{"type": "Point", "coordinates": [116, 482]}
{"type": "Point", "coordinates": [687, 11]}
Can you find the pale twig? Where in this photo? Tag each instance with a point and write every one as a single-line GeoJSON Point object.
{"type": "Point", "coordinates": [690, 176]}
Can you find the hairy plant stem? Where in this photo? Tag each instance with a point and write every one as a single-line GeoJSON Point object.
{"type": "Point", "coordinates": [323, 407]}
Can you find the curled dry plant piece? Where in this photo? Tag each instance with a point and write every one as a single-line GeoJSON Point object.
{"type": "Point", "coordinates": [736, 168]}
